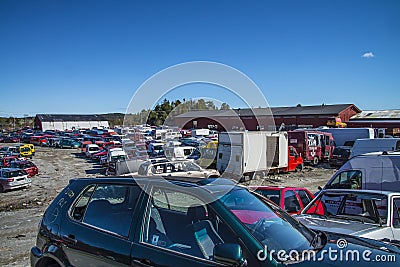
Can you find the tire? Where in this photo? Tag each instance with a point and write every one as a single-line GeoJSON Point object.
{"type": "Point", "coordinates": [1, 189]}
{"type": "Point", "coordinates": [315, 161]}
{"type": "Point", "coordinates": [300, 168]}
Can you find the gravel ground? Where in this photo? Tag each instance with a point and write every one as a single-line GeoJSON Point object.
{"type": "Point", "coordinates": [21, 210]}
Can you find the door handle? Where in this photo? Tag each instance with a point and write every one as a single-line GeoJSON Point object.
{"type": "Point", "coordinates": [70, 239]}
{"type": "Point", "coordinates": [142, 263]}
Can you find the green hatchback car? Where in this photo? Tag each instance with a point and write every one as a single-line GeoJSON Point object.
{"type": "Point", "coordinates": [68, 143]}
{"type": "Point", "coordinates": [186, 222]}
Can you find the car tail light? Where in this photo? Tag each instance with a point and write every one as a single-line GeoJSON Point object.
{"type": "Point", "coordinates": [10, 180]}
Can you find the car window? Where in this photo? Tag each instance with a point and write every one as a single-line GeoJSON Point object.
{"type": "Point", "coordinates": [367, 207]}
{"type": "Point", "coordinates": [396, 213]}
{"type": "Point", "coordinates": [173, 200]}
{"type": "Point", "coordinates": [181, 222]}
{"type": "Point", "coordinates": [290, 201]}
{"type": "Point", "coordinates": [304, 197]}
{"type": "Point", "coordinates": [80, 206]}
{"type": "Point", "coordinates": [347, 180]}
{"type": "Point", "coordinates": [273, 195]}
{"type": "Point", "coordinates": [109, 204]}
{"type": "Point", "coordinates": [292, 152]}
{"type": "Point", "coordinates": [190, 166]}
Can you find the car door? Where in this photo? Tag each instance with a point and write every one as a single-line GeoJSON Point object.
{"type": "Point", "coordinates": [292, 161]}
{"type": "Point", "coordinates": [304, 197]}
{"type": "Point", "coordinates": [96, 230]}
{"type": "Point", "coordinates": [396, 218]}
{"type": "Point", "coordinates": [165, 237]}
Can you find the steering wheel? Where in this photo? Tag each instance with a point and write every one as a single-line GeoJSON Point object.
{"type": "Point", "coordinates": [257, 226]}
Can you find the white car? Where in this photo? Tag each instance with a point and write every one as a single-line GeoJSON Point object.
{"type": "Point", "coordinates": [176, 168]}
{"type": "Point", "coordinates": [362, 213]}
{"type": "Point", "coordinates": [12, 178]}
{"type": "Point", "coordinates": [91, 149]}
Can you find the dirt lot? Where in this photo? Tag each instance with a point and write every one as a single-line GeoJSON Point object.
{"type": "Point", "coordinates": [21, 210]}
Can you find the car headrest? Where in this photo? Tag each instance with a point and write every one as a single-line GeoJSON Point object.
{"type": "Point", "coordinates": [196, 213]}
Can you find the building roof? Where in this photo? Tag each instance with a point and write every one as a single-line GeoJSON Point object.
{"type": "Point", "coordinates": [208, 114]}
{"type": "Point", "coordinates": [312, 110]}
{"type": "Point", "coordinates": [276, 111]}
{"type": "Point", "coordinates": [393, 114]}
{"type": "Point", "coordinates": [70, 117]}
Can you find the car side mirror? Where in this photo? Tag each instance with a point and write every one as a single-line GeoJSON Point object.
{"type": "Point", "coordinates": [230, 254]}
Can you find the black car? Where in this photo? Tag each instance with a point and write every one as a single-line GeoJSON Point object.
{"type": "Point", "coordinates": [181, 222]}
{"type": "Point", "coordinates": [340, 156]}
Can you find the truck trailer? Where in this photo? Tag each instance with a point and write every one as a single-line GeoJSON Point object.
{"type": "Point", "coordinates": [243, 154]}
{"type": "Point", "coordinates": [347, 136]}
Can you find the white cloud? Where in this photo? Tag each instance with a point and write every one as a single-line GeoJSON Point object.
{"type": "Point", "coordinates": [368, 55]}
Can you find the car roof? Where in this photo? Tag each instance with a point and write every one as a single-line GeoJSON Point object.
{"type": "Point", "coordinates": [271, 187]}
{"type": "Point", "coordinates": [178, 180]}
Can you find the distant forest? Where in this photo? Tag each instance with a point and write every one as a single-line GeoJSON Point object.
{"type": "Point", "coordinates": [155, 116]}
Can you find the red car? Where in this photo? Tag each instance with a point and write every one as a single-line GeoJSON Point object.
{"type": "Point", "coordinates": [5, 161]}
{"type": "Point", "coordinates": [99, 154]}
{"type": "Point", "coordinates": [25, 165]}
{"type": "Point", "coordinates": [291, 199]}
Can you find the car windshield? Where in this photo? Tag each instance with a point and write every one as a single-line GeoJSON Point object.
{"type": "Point", "coordinates": [12, 174]}
{"type": "Point", "coordinates": [16, 165]}
{"type": "Point", "coordinates": [25, 149]}
{"type": "Point", "coordinates": [190, 166]}
{"type": "Point", "coordinates": [369, 208]}
{"type": "Point", "coordinates": [118, 157]}
{"type": "Point", "coordinates": [341, 151]}
{"type": "Point", "coordinates": [269, 225]}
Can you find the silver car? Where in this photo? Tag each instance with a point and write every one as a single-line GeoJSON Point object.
{"type": "Point", "coordinates": [12, 178]}
{"type": "Point", "coordinates": [362, 213]}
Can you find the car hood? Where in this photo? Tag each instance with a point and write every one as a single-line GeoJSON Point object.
{"type": "Point", "coordinates": [340, 244]}
{"type": "Point", "coordinates": [337, 225]}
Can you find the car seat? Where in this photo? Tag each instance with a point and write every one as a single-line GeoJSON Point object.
{"type": "Point", "coordinates": [205, 236]}
{"type": "Point", "coordinates": [156, 237]}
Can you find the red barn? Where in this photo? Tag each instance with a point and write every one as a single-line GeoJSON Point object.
{"type": "Point", "coordinates": [266, 119]}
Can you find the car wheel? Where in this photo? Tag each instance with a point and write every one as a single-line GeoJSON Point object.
{"type": "Point", "coordinates": [300, 167]}
{"type": "Point", "coordinates": [1, 189]}
{"type": "Point", "coordinates": [315, 161]}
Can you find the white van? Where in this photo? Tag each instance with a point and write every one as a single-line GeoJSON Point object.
{"type": "Point", "coordinates": [362, 146]}
{"type": "Point", "coordinates": [372, 171]}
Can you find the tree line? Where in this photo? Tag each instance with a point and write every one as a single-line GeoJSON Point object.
{"type": "Point", "coordinates": [166, 108]}
{"type": "Point", "coordinates": [155, 116]}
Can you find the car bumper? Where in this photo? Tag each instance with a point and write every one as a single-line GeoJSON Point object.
{"type": "Point", "coordinates": [16, 185]}
{"type": "Point", "coordinates": [35, 256]}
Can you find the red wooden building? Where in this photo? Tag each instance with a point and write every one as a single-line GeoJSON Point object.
{"type": "Point", "coordinates": [266, 119]}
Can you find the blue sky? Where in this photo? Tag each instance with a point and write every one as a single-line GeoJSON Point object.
{"type": "Point", "coordinates": [91, 56]}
